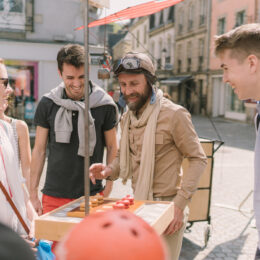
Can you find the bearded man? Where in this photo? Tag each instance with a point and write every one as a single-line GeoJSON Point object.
{"type": "Point", "coordinates": [156, 135]}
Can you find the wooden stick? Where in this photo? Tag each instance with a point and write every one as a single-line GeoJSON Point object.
{"type": "Point", "coordinates": [17, 213]}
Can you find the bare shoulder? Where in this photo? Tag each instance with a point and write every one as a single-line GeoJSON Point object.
{"type": "Point", "coordinates": [21, 127]}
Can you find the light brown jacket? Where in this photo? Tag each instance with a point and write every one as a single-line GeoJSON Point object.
{"type": "Point", "coordinates": [175, 139]}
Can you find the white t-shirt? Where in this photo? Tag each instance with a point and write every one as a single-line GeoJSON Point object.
{"type": "Point", "coordinates": [12, 180]}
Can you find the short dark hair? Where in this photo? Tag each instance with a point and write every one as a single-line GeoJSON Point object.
{"type": "Point", "coordinates": [242, 41]}
{"type": "Point", "coordinates": [73, 54]}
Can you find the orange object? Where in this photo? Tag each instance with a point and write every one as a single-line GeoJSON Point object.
{"type": "Point", "coordinates": [126, 202]}
{"type": "Point", "coordinates": [119, 205]}
{"type": "Point", "coordinates": [110, 235]}
{"type": "Point", "coordinates": [130, 198]}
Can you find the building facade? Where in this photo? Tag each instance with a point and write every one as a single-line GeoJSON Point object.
{"type": "Point", "coordinates": [153, 35]}
{"type": "Point", "coordinates": [31, 34]}
{"type": "Point", "coordinates": [192, 19]}
{"type": "Point", "coordinates": [161, 45]}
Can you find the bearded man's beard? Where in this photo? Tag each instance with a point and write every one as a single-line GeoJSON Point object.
{"type": "Point", "coordinates": [142, 99]}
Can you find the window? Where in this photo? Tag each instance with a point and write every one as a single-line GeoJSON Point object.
{"type": "Point", "coordinates": [152, 48]}
{"type": "Point", "coordinates": [160, 47]}
{"type": "Point", "coordinates": [161, 18]}
{"type": "Point", "coordinates": [133, 41]}
{"type": "Point", "coordinates": [159, 63]}
{"type": "Point", "coordinates": [233, 103]}
{"type": "Point", "coordinates": [169, 48]}
{"type": "Point", "coordinates": [179, 66]}
{"type": "Point", "coordinates": [203, 10]}
{"type": "Point", "coordinates": [23, 78]}
{"type": "Point", "coordinates": [179, 61]}
{"type": "Point", "coordinates": [240, 18]}
{"type": "Point", "coordinates": [15, 6]}
{"type": "Point", "coordinates": [152, 21]}
{"type": "Point", "coordinates": [221, 26]}
{"type": "Point", "coordinates": [137, 39]}
{"type": "Point", "coordinates": [16, 15]}
{"type": "Point", "coordinates": [180, 25]}
{"type": "Point", "coordinates": [189, 46]}
{"type": "Point", "coordinates": [201, 54]}
{"type": "Point", "coordinates": [145, 35]}
{"type": "Point", "coordinates": [171, 14]}
{"type": "Point", "coordinates": [191, 17]}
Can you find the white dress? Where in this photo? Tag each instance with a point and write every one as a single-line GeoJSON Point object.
{"type": "Point", "coordinates": [12, 180]}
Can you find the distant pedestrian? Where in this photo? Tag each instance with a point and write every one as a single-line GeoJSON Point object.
{"type": "Point", "coordinates": [239, 53]}
{"type": "Point", "coordinates": [116, 97]}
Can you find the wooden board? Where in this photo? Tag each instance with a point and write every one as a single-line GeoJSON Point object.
{"type": "Point", "coordinates": [55, 224]}
{"type": "Point", "coordinates": [106, 205]}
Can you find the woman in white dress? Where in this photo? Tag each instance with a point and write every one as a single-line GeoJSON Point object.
{"type": "Point", "coordinates": [10, 174]}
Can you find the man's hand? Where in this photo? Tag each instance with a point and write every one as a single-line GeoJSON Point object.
{"type": "Point", "coordinates": [177, 222]}
{"type": "Point", "coordinates": [99, 171]}
{"type": "Point", "coordinates": [36, 204]}
{"type": "Point", "coordinates": [108, 188]}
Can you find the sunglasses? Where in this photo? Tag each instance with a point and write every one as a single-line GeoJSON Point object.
{"type": "Point", "coordinates": [132, 63]}
{"type": "Point", "coordinates": [5, 82]}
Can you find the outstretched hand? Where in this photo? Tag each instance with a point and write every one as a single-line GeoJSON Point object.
{"type": "Point", "coordinates": [99, 171]}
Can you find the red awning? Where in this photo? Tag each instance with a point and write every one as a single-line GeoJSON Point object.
{"type": "Point", "coordinates": [134, 11]}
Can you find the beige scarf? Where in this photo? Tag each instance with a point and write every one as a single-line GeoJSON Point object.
{"type": "Point", "coordinates": [144, 185]}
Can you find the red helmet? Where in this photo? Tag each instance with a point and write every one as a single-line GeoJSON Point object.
{"type": "Point", "coordinates": [111, 235]}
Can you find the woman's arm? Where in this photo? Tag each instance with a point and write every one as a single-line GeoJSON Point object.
{"type": "Point", "coordinates": [24, 149]}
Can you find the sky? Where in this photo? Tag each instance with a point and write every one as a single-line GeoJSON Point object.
{"type": "Point", "coordinates": [118, 5]}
